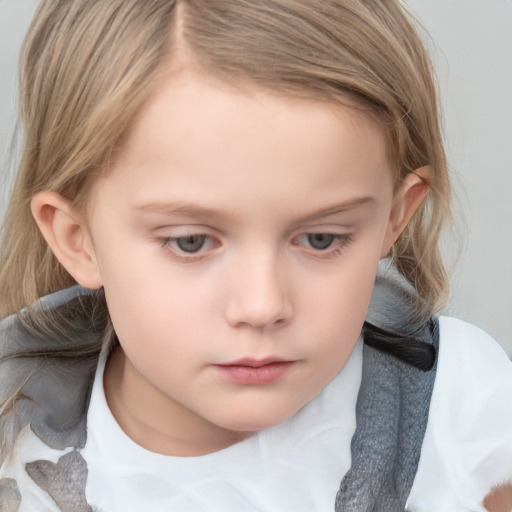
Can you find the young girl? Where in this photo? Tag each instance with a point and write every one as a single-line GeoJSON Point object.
{"type": "Point", "coordinates": [220, 274]}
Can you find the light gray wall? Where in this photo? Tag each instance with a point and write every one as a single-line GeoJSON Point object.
{"type": "Point", "coordinates": [14, 19]}
{"type": "Point", "coordinates": [472, 48]}
{"type": "Point", "coordinates": [473, 54]}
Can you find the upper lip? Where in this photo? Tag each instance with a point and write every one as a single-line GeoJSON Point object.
{"type": "Point", "coordinates": [255, 363]}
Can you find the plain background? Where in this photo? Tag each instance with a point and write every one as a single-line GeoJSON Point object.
{"type": "Point", "coordinates": [471, 44]}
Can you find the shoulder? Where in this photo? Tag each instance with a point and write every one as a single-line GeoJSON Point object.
{"type": "Point", "coordinates": [474, 378]}
{"type": "Point", "coordinates": [467, 448]}
{"type": "Point", "coordinates": [466, 351]}
{"type": "Point", "coordinates": [473, 386]}
{"type": "Point", "coordinates": [455, 333]}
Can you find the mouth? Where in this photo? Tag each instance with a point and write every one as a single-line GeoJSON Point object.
{"type": "Point", "coordinates": [254, 371]}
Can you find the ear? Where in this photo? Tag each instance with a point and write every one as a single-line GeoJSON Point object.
{"type": "Point", "coordinates": [68, 237]}
{"type": "Point", "coordinates": [407, 200]}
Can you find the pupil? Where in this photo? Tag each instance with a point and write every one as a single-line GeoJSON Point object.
{"type": "Point", "coordinates": [190, 243]}
{"type": "Point", "coordinates": [320, 240]}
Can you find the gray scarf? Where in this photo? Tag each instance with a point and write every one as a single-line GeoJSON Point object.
{"type": "Point", "coordinates": [399, 363]}
{"type": "Point", "coordinates": [399, 367]}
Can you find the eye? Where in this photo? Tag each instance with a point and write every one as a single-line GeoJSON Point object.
{"type": "Point", "coordinates": [323, 244]}
{"type": "Point", "coordinates": [320, 241]}
{"type": "Point", "coordinates": [188, 248]}
{"type": "Point", "coordinates": [190, 244]}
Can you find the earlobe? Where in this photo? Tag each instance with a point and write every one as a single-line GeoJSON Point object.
{"type": "Point", "coordinates": [67, 237]}
{"type": "Point", "coordinates": [407, 200]}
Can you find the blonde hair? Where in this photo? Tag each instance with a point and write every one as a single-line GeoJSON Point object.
{"type": "Point", "coordinates": [88, 66]}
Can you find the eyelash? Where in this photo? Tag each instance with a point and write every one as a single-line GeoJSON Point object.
{"type": "Point", "coordinates": [336, 247]}
{"type": "Point", "coordinates": [167, 243]}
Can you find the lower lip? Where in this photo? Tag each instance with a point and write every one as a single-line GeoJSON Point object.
{"type": "Point", "coordinates": [255, 375]}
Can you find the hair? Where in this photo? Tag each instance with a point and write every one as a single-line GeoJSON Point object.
{"type": "Point", "coordinates": [87, 67]}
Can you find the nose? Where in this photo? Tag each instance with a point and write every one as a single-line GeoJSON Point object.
{"type": "Point", "coordinates": [257, 296]}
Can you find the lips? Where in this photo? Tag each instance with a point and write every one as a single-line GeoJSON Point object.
{"type": "Point", "coordinates": [254, 371]}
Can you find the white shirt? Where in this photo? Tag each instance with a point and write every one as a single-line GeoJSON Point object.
{"type": "Point", "coordinates": [299, 465]}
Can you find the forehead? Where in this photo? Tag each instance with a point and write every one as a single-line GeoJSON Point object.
{"type": "Point", "coordinates": [198, 96]}
{"type": "Point", "coordinates": [196, 134]}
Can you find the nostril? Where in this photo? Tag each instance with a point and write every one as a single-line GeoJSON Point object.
{"type": "Point", "coordinates": [259, 314]}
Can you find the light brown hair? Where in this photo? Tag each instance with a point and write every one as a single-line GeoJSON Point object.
{"type": "Point", "coordinates": [88, 65]}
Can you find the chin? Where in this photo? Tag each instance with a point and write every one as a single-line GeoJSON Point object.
{"type": "Point", "coordinates": [255, 419]}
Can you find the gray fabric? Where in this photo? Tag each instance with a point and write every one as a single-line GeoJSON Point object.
{"type": "Point", "coordinates": [392, 407]}
{"type": "Point", "coordinates": [55, 386]}
{"type": "Point", "coordinates": [64, 481]}
{"type": "Point", "coordinates": [392, 305]}
{"type": "Point", "coordinates": [10, 496]}
{"type": "Point", "coordinates": [55, 389]}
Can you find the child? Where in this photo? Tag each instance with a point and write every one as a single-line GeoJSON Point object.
{"type": "Point", "coordinates": [222, 245]}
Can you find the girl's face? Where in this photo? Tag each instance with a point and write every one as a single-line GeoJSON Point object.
{"type": "Point", "coordinates": [237, 237]}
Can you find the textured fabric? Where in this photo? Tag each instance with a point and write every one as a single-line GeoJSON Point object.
{"type": "Point", "coordinates": [10, 496]}
{"type": "Point", "coordinates": [392, 407]}
{"type": "Point", "coordinates": [387, 444]}
{"type": "Point", "coordinates": [64, 481]}
{"type": "Point", "coordinates": [55, 387]}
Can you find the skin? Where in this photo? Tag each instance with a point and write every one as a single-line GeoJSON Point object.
{"type": "Point", "coordinates": [258, 175]}
{"type": "Point", "coordinates": [499, 500]}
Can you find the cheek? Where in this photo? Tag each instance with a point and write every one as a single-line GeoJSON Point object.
{"type": "Point", "coordinates": [343, 297]}
{"type": "Point", "coordinates": [159, 313]}
{"type": "Point", "coordinates": [335, 312]}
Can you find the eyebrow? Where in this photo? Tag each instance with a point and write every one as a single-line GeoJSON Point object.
{"type": "Point", "coordinates": [339, 208]}
{"type": "Point", "coordinates": [200, 212]}
{"type": "Point", "coordinates": [184, 210]}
